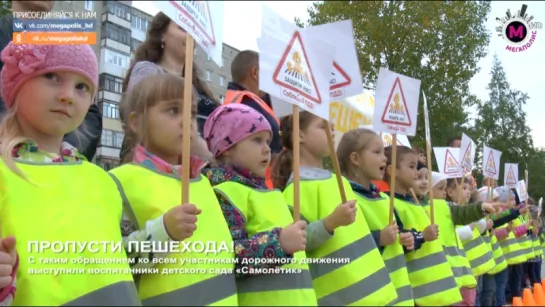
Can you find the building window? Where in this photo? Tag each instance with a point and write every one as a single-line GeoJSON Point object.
{"type": "Point", "coordinates": [139, 20]}
{"type": "Point", "coordinates": [208, 75]}
{"type": "Point", "coordinates": [208, 57]}
{"type": "Point", "coordinates": [110, 83]}
{"type": "Point", "coordinates": [134, 44]}
{"type": "Point", "coordinates": [117, 59]}
{"type": "Point", "coordinates": [110, 138]}
{"type": "Point", "coordinates": [118, 9]}
{"type": "Point", "coordinates": [222, 80]}
{"type": "Point", "coordinates": [117, 33]}
{"type": "Point", "coordinates": [107, 163]}
{"type": "Point", "coordinates": [109, 109]}
{"type": "Point", "coordinates": [88, 5]}
{"type": "Point", "coordinates": [194, 51]}
{"type": "Point", "coordinates": [222, 98]}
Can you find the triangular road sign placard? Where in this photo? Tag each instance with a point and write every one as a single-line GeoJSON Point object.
{"type": "Point", "coordinates": [490, 164]}
{"type": "Point", "coordinates": [294, 72]}
{"type": "Point", "coordinates": [396, 111]}
{"type": "Point", "coordinates": [387, 140]}
{"type": "Point", "coordinates": [451, 165]}
{"type": "Point", "coordinates": [511, 176]}
{"type": "Point", "coordinates": [466, 160]}
{"type": "Point", "coordinates": [203, 18]}
{"type": "Point", "coordinates": [339, 78]}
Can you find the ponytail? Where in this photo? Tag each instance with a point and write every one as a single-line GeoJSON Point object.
{"type": "Point", "coordinates": [282, 165]}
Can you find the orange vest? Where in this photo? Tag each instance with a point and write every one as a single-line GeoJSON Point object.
{"type": "Point", "coordinates": [232, 96]}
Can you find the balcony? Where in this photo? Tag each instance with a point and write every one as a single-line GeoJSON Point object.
{"type": "Point", "coordinates": [107, 16]}
{"type": "Point", "coordinates": [110, 152]}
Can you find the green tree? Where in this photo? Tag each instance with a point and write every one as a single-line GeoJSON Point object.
{"type": "Point", "coordinates": [5, 7]}
{"type": "Point", "coordinates": [437, 42]}
{"type": "Point", "coordinates": [536, 174]}
{"type": "Point", "coordinates": [501, 123]}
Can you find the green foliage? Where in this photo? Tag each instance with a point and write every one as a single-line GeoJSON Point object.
{"type": "Point", "coordinates": [501, 124]}
{"type": "Point", "coordinates": [436, 42]}
{"type": "Point", "coordinates": [5, 7]}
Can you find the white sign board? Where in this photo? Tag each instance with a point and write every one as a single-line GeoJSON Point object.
{"type": "Point", "coordinates": [447, 161]}
{"type": "Point", "coordinates": [295, 66]}
{"type": "Point", "coordinates": [467, 153]}
{"type": "Point", "coordinates": [203, 20]}
{"type": "Point", "coordinates": [387, 138]}
{"type": "Point", "coordinates": [491, 162]}
{"type": "Point", "coordinates": [511, 174]}
{"type": "Point", "coordinates": [521, 190]}
{"type": "Point", "coordinates": [396, 107]}
{"type": "Point", "coordinates": [345, 79]}
{"type": "Point", "coordinates": [426, 120]}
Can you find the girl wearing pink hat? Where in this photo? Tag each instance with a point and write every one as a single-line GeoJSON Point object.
{"type": "Point", "coordinates": [46, 202]}
{"type": "Point", "coordinates": [270, 247]}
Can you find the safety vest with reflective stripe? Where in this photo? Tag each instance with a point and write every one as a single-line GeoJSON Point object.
{"type": "Point", "coordinates": [478, 253]}
{"type": "Point", "coordinates": [524, 241]}
{"type": "Point", "coordinates": [262, 211]}
{"type": "Point", "coordinates": [452, 245]}
{"type": "Point", "coordinates": [147, 195]}
{"type": "Point", "coordinates": [364, 280]}
{"type": "Point", "coordinates": [376, 212]}
{"type": "Point", "coordinates": [75, 204]}
{"type": "Point", "coordinates": [510, 248]}
{"type": "Point", "coordinates": [429, 270]}
{"type": "Point", "coordinates": [499, 259]}
{"type": "Point", "coordinates": [232, 96]}
{"type": "Point", "coordinates": [536, 246]}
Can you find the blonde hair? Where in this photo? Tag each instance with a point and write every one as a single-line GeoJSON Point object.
{"type": "Point", "coordinates": [10, 137]}
{"type": "Point", "coordinates": [353, 141]}
{"type": "Point", "coordinates": [146, 94]}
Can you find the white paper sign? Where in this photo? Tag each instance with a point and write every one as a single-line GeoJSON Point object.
{"type": "Point", "coordinates": [447, 161]}
{"type": "Point", "coordinates": [426, 119]}
{"type": "Point", "coordinates": [467, 153]}
{"type": "Point", "coordinates": [511, 174]}
{"type": "Point", "coordinates": [396, 106]}
{"type": "Point", "coordinates": [387, 138]}
{"type": "Point", "coordinates": [491, 162]}
{"type": "Point", "coordinates": [345, 79]}
{"type": "Point", "coordinates": [521, 190]}
{"type": "Point", "coordinates": [295, 66]}
{"type": "Point", "coordinates": [203, 20]}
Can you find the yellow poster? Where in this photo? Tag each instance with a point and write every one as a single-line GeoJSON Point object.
{"type": "Point", "coordinates": [351, 113]}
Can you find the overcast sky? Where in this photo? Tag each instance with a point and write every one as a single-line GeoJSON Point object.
{"type": "Point", "coordinates": [524, 70]}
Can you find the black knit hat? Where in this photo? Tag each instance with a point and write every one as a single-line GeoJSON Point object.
{"type": "Point", "coordinates": [420, 166]}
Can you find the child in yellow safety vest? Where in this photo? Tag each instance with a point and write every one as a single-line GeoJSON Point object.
{"type": "Point", "coordinates": [348, 269]}
{"type": "Point", "coordinates": [57, 205]}
{"type": "Point", "coordinates": [362, 160]}
{"type": "Point", "coordinates": [476, 249]}
{"type": "Point", "coordinates": [430, 274]}
{"type": "Point", "coordinates": [448, 215]}
{"type": "Point", "coordinates": [271, 265]}
{"type": "Point", "coordinates": [183, 252]}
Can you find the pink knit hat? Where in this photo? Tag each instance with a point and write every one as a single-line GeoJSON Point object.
{"type": "Point", "coordinates": [230, 124]}
{"type": "Point", "coordinates": [23, 62]}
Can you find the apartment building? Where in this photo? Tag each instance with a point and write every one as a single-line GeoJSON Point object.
{"type": "Point", "coordinates": [122, 28]}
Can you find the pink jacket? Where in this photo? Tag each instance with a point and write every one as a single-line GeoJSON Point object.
{"type": "Point", "coordinates": [8, 293]}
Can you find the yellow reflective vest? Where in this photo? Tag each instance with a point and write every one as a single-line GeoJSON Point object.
{"type": "Point", "coordinates": [479, 254]}
{"type": "Point", "coordinates": [363, 279]}
{"type": "Point", "coordinates": [524, 241]}
{"type": "Point", "coordinates": [429, 270]}
{"type": "Point", "coordinates": [495, 248]}
{"type": "Point", "coordinates": [376, 212]}
{"type": "Point", "coordinates": [210, 280]}
{"type": "Point", "coordinates": [72, 211]}
{"type": "Point", "coordinates": [262, 211]}
{"type": "Point", "coordinates": [511, 250]}
{"type": "Point", "coordinates": [452, 245]}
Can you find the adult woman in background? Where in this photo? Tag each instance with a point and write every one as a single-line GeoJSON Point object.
{"type": "Point", "coordinates": [163, 51]}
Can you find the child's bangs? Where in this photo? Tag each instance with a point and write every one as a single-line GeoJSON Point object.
{"type": "Point", "coordinates": [163, 87]}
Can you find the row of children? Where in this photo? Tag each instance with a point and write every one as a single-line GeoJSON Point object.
{"type": "Point", "coordinates": [47, 183]}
